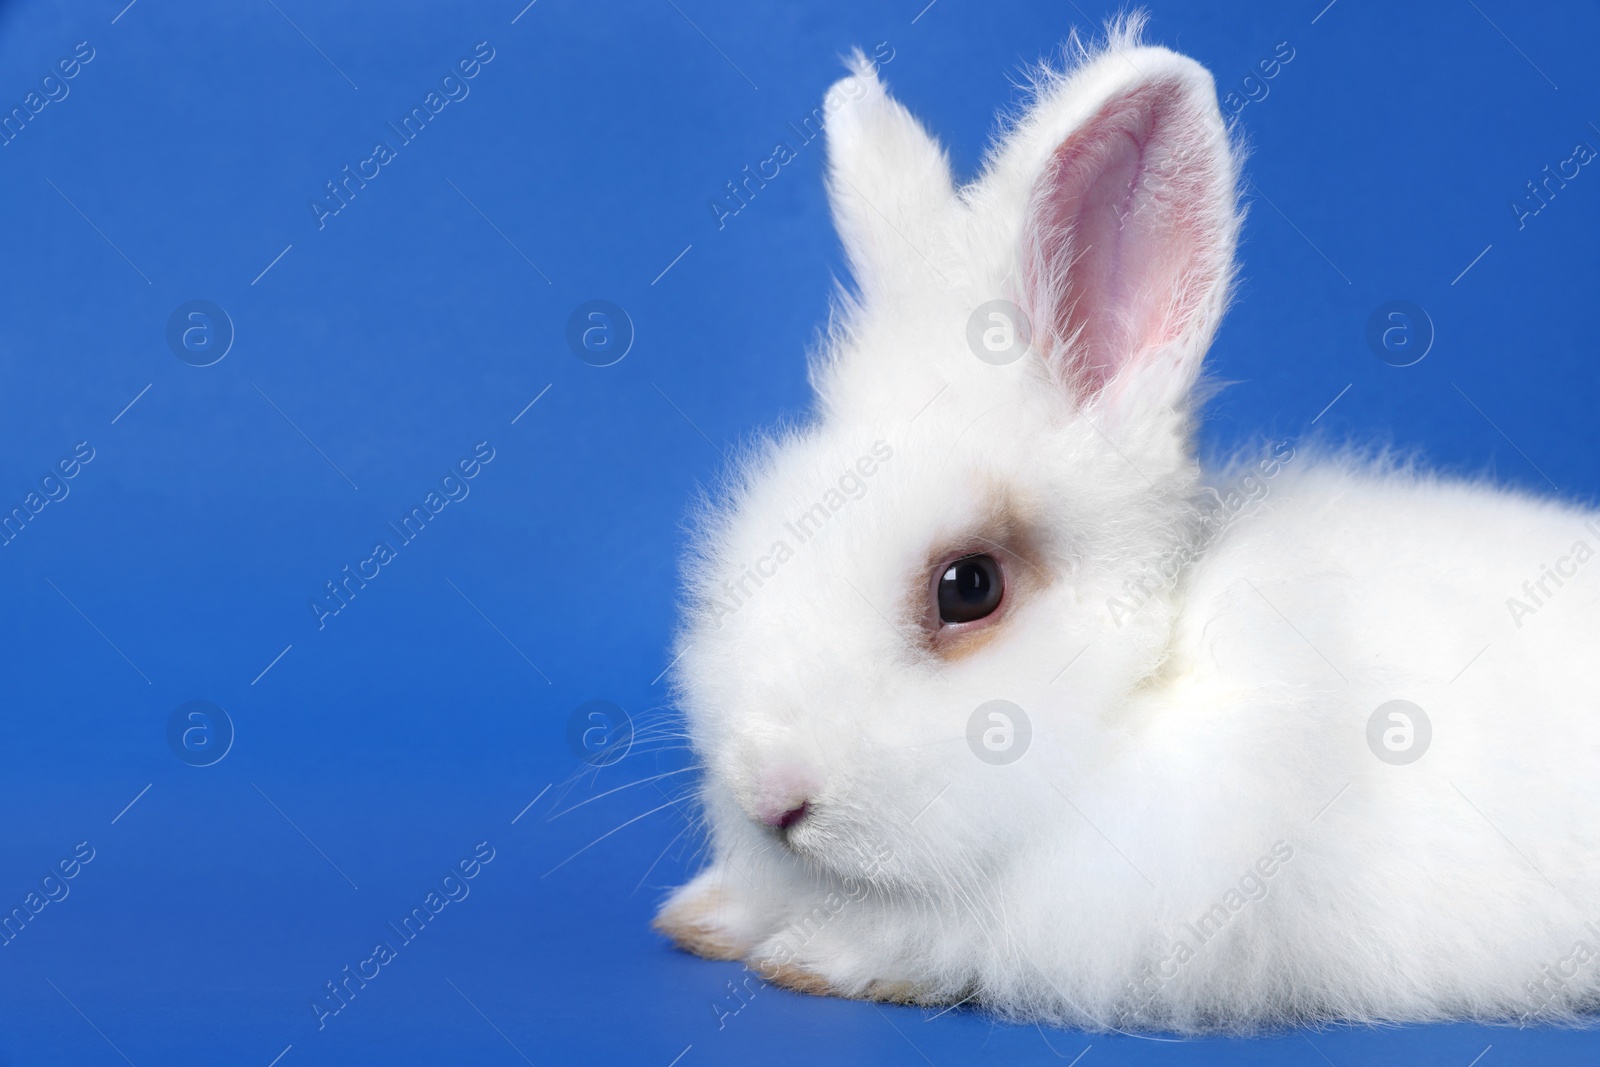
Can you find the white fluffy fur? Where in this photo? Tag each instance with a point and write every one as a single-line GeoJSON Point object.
{"type": "Point", "coordinates": [1226, 715]}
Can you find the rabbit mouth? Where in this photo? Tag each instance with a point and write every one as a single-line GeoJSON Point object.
{"type": "Point", "coordinates": [792, 817]}
{"type": "Point", "coordinates": [790, 828]}
{"type": "Point", "coordinates": [813, 838]}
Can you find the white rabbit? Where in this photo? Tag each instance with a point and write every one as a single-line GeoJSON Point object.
{"type": "Point", "coordinates": [1199, 810]}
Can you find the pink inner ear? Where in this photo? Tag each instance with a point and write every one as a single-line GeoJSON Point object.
{"type": "Point", "coordinates": [1116, 233]}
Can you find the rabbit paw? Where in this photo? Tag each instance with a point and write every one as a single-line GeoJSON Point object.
{"type": "Point", "coordinates": [884, 991]}
{"type": "Point", "coordinates": [712, 916]}
{"type": "Point", "coordinates": [794, 978]}
{"type": "Point", "coordinates": [800, 979]}
{"type": "Point", "coordinates": [903, 992]}
{"type": "Point", "coordinates": [704, 917]}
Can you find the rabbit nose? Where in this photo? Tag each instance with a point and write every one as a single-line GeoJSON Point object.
{"type": "Point", "coordinates": [784, 797]}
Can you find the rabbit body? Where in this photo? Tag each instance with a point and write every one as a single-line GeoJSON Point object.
{"type": "Point", "coordinates": [1200, 807]}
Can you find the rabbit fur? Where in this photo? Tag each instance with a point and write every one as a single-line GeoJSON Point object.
{"type": "Point", "coordinates": [1202, 833]}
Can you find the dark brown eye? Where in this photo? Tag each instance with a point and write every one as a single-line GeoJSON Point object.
{"type": "Point", "coordinates": [970, 589]}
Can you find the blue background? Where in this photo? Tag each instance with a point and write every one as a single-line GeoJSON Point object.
{"type": "Point", "coordinates": [427, 314]}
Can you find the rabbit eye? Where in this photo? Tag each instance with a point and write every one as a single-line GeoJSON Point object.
{"type": "Point", "coordinates": [970, 589]}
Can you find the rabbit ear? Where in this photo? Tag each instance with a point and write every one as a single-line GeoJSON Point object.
{"type": "Point", "coordinates": [888, 182]}
{"type": "Point", "coordinates": [1128, 227]}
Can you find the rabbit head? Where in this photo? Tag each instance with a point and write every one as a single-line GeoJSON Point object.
{"type": "Point", "coordinates": [1003, 440]}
